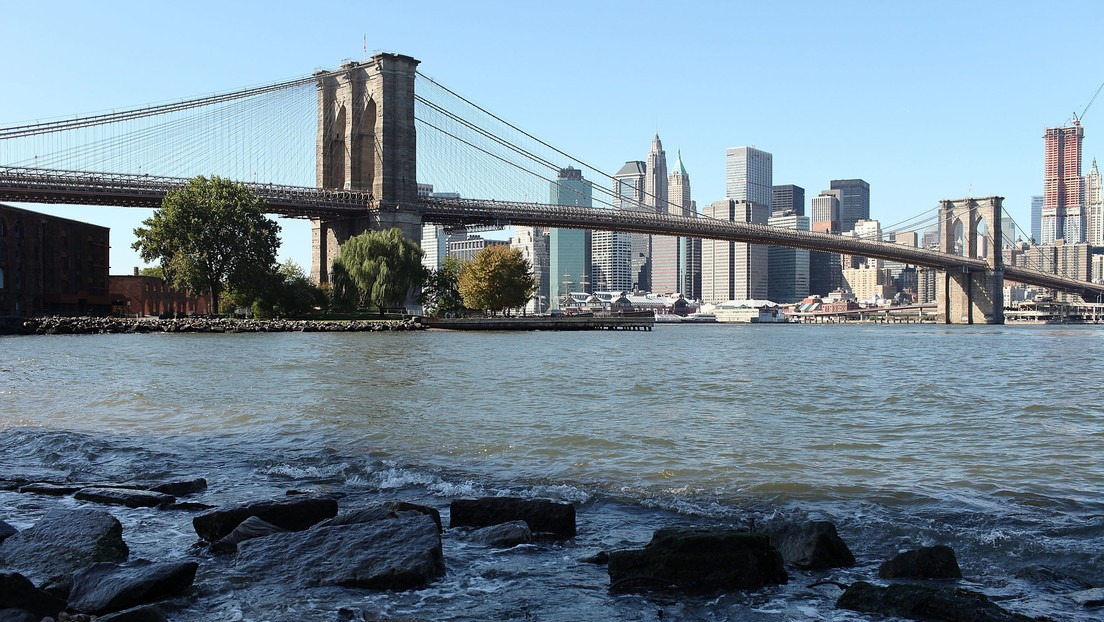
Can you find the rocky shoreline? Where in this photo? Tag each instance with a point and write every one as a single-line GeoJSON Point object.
{"type": "Point", "coordinates": [114, 325]}
{"type": "Point", "coordinates": [74, 563]}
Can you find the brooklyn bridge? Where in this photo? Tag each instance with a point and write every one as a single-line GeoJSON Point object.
{"type": "Point", "coordinates": [346, 149]}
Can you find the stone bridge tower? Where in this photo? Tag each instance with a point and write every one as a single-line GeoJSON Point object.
{"type": "Point", "coordinates": [971, 297]}
{"type": "Point", "coordinates": [367, 142]}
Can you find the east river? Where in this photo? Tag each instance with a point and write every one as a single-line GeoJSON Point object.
{"type": "Point", "coordinates": [988, 439]}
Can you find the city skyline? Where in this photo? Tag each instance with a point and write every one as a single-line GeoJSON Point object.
{"type": "Point", "coordinates": [986, 143]}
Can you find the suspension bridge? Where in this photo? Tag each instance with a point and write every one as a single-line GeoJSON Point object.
{"type": "Point", "coordinates": [347, 148]}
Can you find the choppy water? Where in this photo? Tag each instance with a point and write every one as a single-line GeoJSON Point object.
{"type": "Point", "coordinates": [988, 439]}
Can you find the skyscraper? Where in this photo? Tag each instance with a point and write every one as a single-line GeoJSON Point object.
{"type": "Point", "coordinates": [672, 256]}
{"type": "Point", "coordinates": [824, 268]}
{"type": "Point", "coordinates": [655, 198]}
{"type": "Point", "coordinates": [1062, 217]}
{"type": "Point", "coordinates": [788, 273]}
{"type": "Point", "coordinates": [569, 249]}
{"type": "Point", "coordinates": [734, 270]}
{"type": "Point", "coordinates": [623, 260]}
{"type": "Point", "coordinates": [1094, 207]}
{"type": "Point", "coordinates": [788, 198]}
{"type": "Point", "coordinates": [533, 244]}
{"type": "Point", "coordinates": [1036, 218]}
{"type": "Point", "coordinates": [854, 201]}
{"type": "Point", "coordinates": [749, 175]}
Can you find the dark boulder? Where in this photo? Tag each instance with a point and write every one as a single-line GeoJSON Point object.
{"type": "Point", "coordinates": [6, 530]}
{"type": "Point", "coordinates": [291, 513]}
{"type": "Point", "coordinates": [18, 615]}
{"type": "Point", "coordinates": [125, 496]}
{"type": "Point", "coordinates": [931, 562]}
{"type": "Point", "coordinates": [62, 542]}
{"type": "Point", "coordinates": [17, 592]}
{"type": "Point", "coordinates": [542, 515]}
{"type": "Point", "coordinates": [813, 545]}
{"type": "Point", "coordinates": [105, 587]}
{"type": "Point", "coordinates": [396, 554]}
{"type": "Point", "coordinates": [48, 488]}
{"type": "Point", "coordinates": [918, 601]}
{"type": "Point", "coordinates": [504, 536]}
{"type": "Point", "coordinates": [698, 560]}
{"type": "Point", "coordinates": [249, 528]}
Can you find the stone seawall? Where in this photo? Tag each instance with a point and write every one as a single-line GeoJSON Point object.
{"type": "Point", "coordinates": [106, 325]}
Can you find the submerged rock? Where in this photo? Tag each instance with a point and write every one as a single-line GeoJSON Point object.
{"type": "Point", "coordinates": [291, 513]}
{"type": "Point", "coordinates": [931, 562]}
{"type": "Point", "coordinates": [917, 601]}
{"type": "Point", "coordinates": [504, 536]}
{"type": "Point", "coordinates": [813, 545]}
{"type": "Point", "coordinates": [180, 488]}
{"type": "Point", "coordinates": [398, 554]}
{"type": "Point", "coordinates": [105, 587]}
{"type": "Point", "coordinates": [1089, 598]}
{"type": "Point", "coordinates": [542, 515]}
{"type": "Point", "coordinates": [141, 613]}
{"type": "Point", "coordinates": [62, 542]}
{"type": "Point", "coordinates": [698, 560]}
{"type": "Point", "coordinates": [248, 529]}
{"type": "Point", "coordinates": [50, 488]}
{"type": "Point", "coordinates": [17, 592]}
{"type": "Point", "coordinates": [125, 496]}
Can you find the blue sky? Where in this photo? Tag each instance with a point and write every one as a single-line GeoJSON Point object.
{"type": "Point", "coordinates": [926, 101]}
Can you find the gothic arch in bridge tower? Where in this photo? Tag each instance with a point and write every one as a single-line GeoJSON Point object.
{"type": "Point", "coordinates": [973, 297]}
{"type": "Point", "coordinates": [367, 142]}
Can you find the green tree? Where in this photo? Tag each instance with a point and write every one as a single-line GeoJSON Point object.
{"type": "Point", "coordinates": [376, 268]}
{"type": "Point", "coordinates": [296, 294]}
{"type": "Point", "coordinates": [499, 278]}
{"type": "Point", "coordinates": [441, 290]}
{"type": "Point", "coordinates": [210, 235]}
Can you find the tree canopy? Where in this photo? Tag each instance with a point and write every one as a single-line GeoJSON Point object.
{"type": "Point", "coordinates": [210, 235]}
{"type": "Point", "coordinates": [499, 278]}
{"type": "Point", "coordinates": [376, 269]}
{"type": "Point", "coordinates": [441, 289]}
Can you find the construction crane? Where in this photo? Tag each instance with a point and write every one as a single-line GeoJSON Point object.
{"type": "Point", "coordinates": [1076, 120]}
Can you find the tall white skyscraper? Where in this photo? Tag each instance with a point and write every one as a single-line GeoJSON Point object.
{"type": "Point", "coordinates": [735, 270]}
{"type": "Point", "coordinates": [620, 259]}
{"type": "Point", "coordinates": [1094, 207]}
{"type": "Point", "coordinates": [533, 244]}
{"type": "Point", "coordinates": [749, 175]}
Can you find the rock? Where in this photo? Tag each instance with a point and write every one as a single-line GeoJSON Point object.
{"type": "Point", "coordinates": [47, 488]}
{"type": "Point", "coordinates": [504, 536]}
{"type": "Point", "coordinates": [1052, 580]}
{"type": "Point", "coordinates": [403, 506]}
{"type": "Point", "coordinates": [18, 615]}
{"type": "Point", "coordinates": [382, 554]}
{"type": "Point", "coordinates": [918, 601]}
{"type": "Point", "coordinates": [17, 592]}
{"type": "Point", "coordinates": [6, 530]}
{"type": "Point", "coordinates": [813, 545]}
{"type": "Point", "coordinates": [698, 560]}
{"type": "Point", "coordinates": [124, 496]}
{"type": "Point", "coordinates": [600, 558]}
{"type": "Point", "coordinates": [291, 513]}
{"type": "Point", "coordinates": [249, 528]}
{"type": "Point", "coordinates": [542, 515]}
{"type": "Point", "coordinates": [1089, 598]}
{"type": "Point", "coordinates": [62, 542]}
{"type": "Point", "coordinates": [181, 488]}
{"type": "Point", "coordinates": [106, 587]}
{"type": "Point", "coordinates": [931, 562]}
{"type": "Point", "coordinates": [143, 613]}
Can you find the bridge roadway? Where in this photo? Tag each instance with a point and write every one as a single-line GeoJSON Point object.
{"type": "Point", "coordinates": [32, 185]}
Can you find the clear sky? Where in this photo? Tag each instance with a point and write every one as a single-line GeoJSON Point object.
{"type": "Point", "coordinates": [925, 100]}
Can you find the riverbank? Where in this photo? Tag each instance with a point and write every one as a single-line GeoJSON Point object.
{"type": "Point", "coordinates": [113, 325]}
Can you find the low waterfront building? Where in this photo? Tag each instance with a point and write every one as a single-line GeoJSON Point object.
{"type": "Point", "coordinates": [749, 311]}
{"type": "Point", "coordinates": [51, 265]}
{"type": "Point", "coordinates": [140, 295]}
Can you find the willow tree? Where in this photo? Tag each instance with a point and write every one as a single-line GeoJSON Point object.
{"type": "Point", "coordinates": [376, 269]}
{"type": "Point", "coordinates": [498, 278]}
{"type": "Point", "coordinates": [210, 235]}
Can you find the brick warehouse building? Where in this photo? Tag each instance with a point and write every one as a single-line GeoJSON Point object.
{"type": "Point", "coordinates": [138, 295]}
{"type": "Point", "coordinates": [52, 266]}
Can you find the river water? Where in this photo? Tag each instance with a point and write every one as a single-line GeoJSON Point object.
{"type": "Point", "coordinates": [986, 438]}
